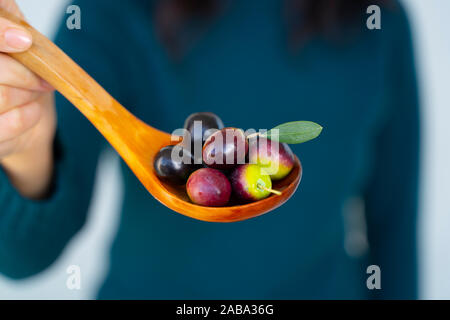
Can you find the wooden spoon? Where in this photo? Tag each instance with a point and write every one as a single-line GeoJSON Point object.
{"type": "Point", "coordinates": [136, 142]}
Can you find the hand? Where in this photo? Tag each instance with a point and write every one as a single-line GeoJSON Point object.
{"type": "Point", "coordinates": [27, 114]}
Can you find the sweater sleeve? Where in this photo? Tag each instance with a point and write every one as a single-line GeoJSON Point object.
{"type": "Point", "coordinates": [34, 233]}
{"type": "Point", "coordinates": [391, 196]}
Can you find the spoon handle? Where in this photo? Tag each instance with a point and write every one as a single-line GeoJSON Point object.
{"type": "Point", "coordinates": [49, 62]}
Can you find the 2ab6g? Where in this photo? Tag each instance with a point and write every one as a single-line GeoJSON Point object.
{"type": "Point", "coordinates": [246, 309]}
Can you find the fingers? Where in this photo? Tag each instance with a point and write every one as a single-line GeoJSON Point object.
{"type": "Point", "coordinates": [14, 97]}
{"type": "Point", "coordinates": [14, 74]}
{"type": "Point", "coordinates": [20, 94]}
{"type": "Point", "coordinates": [9, 147]}
{"type": "Point", "coordinates": [17, 121]}
{"type": "Point", "coordinates": [18, 85]}
{"type": "Point", "coordinates": [20, 89]}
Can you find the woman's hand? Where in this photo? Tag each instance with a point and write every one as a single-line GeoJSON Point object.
{"type": "Point", "coordinates": [27, 114]}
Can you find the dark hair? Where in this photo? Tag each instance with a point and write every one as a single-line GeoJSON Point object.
{"type": "Point", "coordinates": [305, 19]}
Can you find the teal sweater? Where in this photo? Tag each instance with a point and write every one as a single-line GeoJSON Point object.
{"type": "Point", "coordinates": [362, 90]}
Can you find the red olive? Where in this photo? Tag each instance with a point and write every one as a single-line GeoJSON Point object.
{"type": "Point", "coordinates": [225, 149]}
{"type": "Point", "coordinates": [208, 187]}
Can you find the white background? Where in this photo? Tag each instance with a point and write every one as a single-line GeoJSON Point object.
{"type": "Point", "coordinates": [89, 249]}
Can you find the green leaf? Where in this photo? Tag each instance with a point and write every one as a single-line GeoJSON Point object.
{"type": "Point", "coordinates": [294, 132]}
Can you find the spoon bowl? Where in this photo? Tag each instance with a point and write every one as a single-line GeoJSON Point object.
{"type": "Point", "coordinates": [136, 142]}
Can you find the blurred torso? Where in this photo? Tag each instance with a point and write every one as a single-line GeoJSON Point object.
{"type": "Point", "coordinates": [242, 70]}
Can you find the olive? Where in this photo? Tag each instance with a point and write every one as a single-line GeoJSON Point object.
{"type": "Point", "coordinates": [208, 187]}
{"type": "Point", "coordinates": [174, 164]}
{"type": "Point", "coordinates": [225, 149]}
{"type": "Point", "coordinates": [200, 126]}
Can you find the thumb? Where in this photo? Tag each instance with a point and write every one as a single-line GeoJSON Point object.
{"type": "Point", "coordinates": [13, 38]}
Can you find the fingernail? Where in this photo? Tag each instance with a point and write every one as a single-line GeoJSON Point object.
{"type": "Point", "coordinates": [17, 39]}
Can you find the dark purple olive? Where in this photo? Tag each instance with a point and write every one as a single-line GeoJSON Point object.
{"type": "Point", "coordinates": [174, 164]}
{"type": "Point", "coordinates": [225, 149]}
{"type": "Point", "coordinates": [200, 126]}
